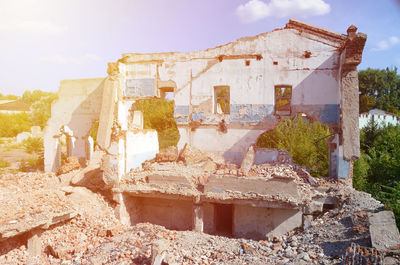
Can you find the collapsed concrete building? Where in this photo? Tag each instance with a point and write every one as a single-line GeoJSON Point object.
{"type": "Point", "coordinates": [225, 98]}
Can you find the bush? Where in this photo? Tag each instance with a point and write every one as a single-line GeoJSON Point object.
{"type": "Point", "coordinates": [158, 114]}
{"type": "Point", "coordinates": [13, 124]}
{"type": "Point", "coordinates": [360, 173]}
{"type": "Point", "coordinates": [304, 140]}
{"type": "Point", "coordinates": [378, 169]}
{"type": "Point", "coordinates": [33, 163]}
{"type": "Point", "coordinates": [3, 163]}
{"type": "Point", "coordinates": [33, 145]}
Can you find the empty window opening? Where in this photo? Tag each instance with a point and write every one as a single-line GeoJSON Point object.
{"type": "Point", "coordinates": [283, 100]}
{"type": "Point", "coordinates": [275, 63]}
{"type": "Point", "coordinates": [222, 100]}
{"type": "Point", "coordinates": [247, 62]}
{"type": "Point", "coordinates": [167, 93]}
{"type": "Point", "coordinates": [223, 216]}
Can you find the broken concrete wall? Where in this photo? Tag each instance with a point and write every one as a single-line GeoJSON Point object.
{"type": "Point", "coordinates": [141, 145]}
{"type": "Point", "coordinates": [172, 214]}
{"type": "Point", "coordinates": [251, 68]}
{"type": "Point", "coordinates": [107, 112]}
{"type": "Point", "coordinates": [77, 107]}
{"type": "Point", "coordinates": [208, 218]}
{"type": "Point", "coordinates": [259, 223]}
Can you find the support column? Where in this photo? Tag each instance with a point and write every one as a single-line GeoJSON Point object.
{"type": "Point", "coordinates": [34, 244]}
{"type": "Point", "coordinates": [120, 209]}
{"type": "Point", "coordinates": [198, 222]}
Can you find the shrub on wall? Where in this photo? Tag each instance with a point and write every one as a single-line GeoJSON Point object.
{"type": "Point", "coordinates": [158, 114]}
{"type": "Point", "coordinates": [304, 140]}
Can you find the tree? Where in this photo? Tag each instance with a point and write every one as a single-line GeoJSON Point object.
{"type": "Point", "coordinates": [41, 109]}
{"type": "Point", "coordinates": [304, 140]}
{"type": "Point", "coordinates": [13, 124]}
{"type": "Point", "coordinates": [381, 85]}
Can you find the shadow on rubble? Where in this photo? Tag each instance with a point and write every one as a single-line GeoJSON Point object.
{"type": "Point", "coordinates": [93, 180]}
{"type": "Point", "coordinates": [16, 242]}
{"type": "Point", "coordinates": [337, 249]}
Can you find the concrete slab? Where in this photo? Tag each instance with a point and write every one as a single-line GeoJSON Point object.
{"type": "Point", "coordinates": [384, 233]}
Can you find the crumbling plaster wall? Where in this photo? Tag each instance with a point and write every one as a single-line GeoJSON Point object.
{"type": "Point", "coordinates": [275, 58]}
{"type": "Point", "coordinates": [77, 107]}
{"type": "Point", "coordinates": [172, 214]}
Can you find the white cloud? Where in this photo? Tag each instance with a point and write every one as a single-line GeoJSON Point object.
{"type": "Point", "coordinates": [30, 26]}
{"type": "Point", "coordinates": [384, 45]}
{"type": "Point", "coordinates": [394, 40]}
{"type": "Point", "coordinates": [60, 59]}
{"type": "Point", "coordinates": [256, 9]}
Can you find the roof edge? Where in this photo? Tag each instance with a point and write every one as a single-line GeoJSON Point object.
{"type": "Point", "coordinates": [315, 30]}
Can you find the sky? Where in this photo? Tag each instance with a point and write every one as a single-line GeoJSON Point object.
{"type": "Point", "coordinates": [45, 41]}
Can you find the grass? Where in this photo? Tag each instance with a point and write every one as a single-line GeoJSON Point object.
{"type": "Point", "coordinates": [3, 163]}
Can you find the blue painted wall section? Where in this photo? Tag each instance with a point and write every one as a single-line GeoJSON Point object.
{"type": "Point", "coordinates": [343, 167]}
{"type": "Point", "coordinates": [330, 113]}
{"type": "Point", "coordinates": [181, 113]}
{"type": "Point", "coordinates": [139, 87]}
{"type": "Point", "coordinates": [197, 116]}
{"type": "Point", "coordinates": [251, 112]}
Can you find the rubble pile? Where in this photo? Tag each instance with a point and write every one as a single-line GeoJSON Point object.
{"type": "Point", "coordinates": [78, 226]}
{"type": "Point", "coordinates": [90, 221]}
{"type": "Point", "coordinates": [324, 242]}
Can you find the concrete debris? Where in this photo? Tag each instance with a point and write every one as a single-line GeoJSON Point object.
{"type": "Point", "coordinates": [192, 155]}
{"type": "Point", "coordinates": [170, 154]}
{"type": "Point", "coordinates": [384, 233]}
{"type": "Point", "coordinates": [95, 236]}
{"type": "Point", "coordinates": [248, 160]}
{"type": "Point", "coordinates": [358, 255]}
{"type": "Point", "coordinates": [71, 163]}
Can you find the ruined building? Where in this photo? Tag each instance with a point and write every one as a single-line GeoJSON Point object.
{"type": "Point", "coordinates": [225, 97]}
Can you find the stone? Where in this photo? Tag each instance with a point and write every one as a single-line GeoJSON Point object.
{"type": "Point", "coordinates": [248, 159]}
{"type": "Point", "coordinates": [314, 207]}
{"type": "Point", "coordinates": [307, 221]}
{"type": "Point", "coordinates": [159, 251]}
{"type": "Point", "coordinates": [304, 256]}
{"type": "Point", "coordinates": [209, 166]}
{"type": "Point", "coordinates": [170, 154]}
{"type": "Point", "coordinates": [34, 244]}
{"type": "Point", "coordinates": [23, 136]}
{"type": "Point", "coordinates": [216, 158]}
{"type": "Point", "coordinates": [71, 163]}
{"type": "Point", "coordinates": [384, 233]}
{"type": "Point", "coordinates": [289, 253]}
{"type": "Point", "coordinates": [109, 166]}
{"type": "Point", "coordinates": [192, 155]}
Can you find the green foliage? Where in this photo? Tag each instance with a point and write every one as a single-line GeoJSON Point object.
{"type": "Point", "coordinates": [378, 169]}
{"type": "Point", "coordinates": [366, 103]}
{"type": "Point", "coordinates": [33, 145]}
{"type": "Point", "coordinates": [3, 163]}
{"type": "Point", "coordinates": [360, 172]}
{"type": "Point", "coordinates": [41, 108]}
{"type": "Point", "coordinates": [391, 198]}
{"type": "Point", "coordinates": [94, 131]}
{"type": "Point", "coordinates": [33, 163]}
{"type": "Point", "coordinates": [304, 140]}
{"type": "Point", "coordinates": [379, 89]}
{"type": "Point", "coordinates": [158, 114]}
{"type": "Point", "coordinates": [13, 124]}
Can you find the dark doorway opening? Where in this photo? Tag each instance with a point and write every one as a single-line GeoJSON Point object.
{"type": "Point", "coordinates": [223, 219]}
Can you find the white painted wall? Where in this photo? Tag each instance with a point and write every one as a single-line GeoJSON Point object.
{"type": "Point", "coordinates": [381, 119]}
{"type": "Point", "coordinates": [141, 145]}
